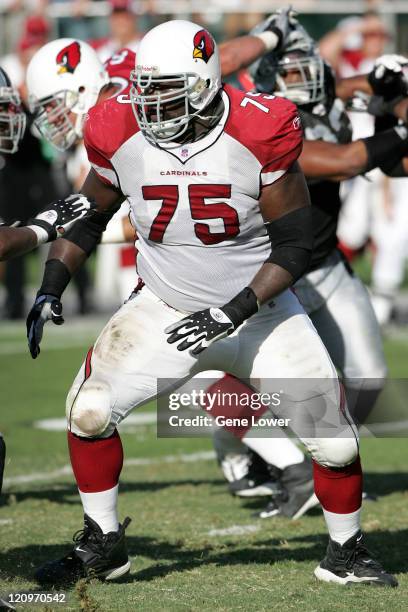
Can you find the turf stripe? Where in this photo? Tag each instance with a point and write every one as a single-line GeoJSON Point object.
{"type": "Point", "coordinates": [135, 461]}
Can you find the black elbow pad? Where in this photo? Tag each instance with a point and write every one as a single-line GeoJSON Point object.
{"type": "Point", "coordinates": [386, 148]}
{"type": "Point", "coordinates": [292, 239]}
{"type": "Point", "coordinates": [87, 232]}
{"type": "Point", "coordinates": [394, 170]}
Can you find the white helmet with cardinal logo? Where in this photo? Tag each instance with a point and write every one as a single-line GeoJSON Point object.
{"type": "Point", "coordinates": [177, 65]}
{"type": "Point", "coordinates": [65, 76]}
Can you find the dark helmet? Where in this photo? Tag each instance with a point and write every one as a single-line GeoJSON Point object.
{"type": "Point", "coordinates": [300, 56]}
{"type": "Point", "coordinates": [12, 116]}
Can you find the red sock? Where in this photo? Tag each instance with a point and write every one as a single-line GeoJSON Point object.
{"type": "Point", "coordinates": [339, 489]}
{"type": "Point", "coordinates": [96, 462]}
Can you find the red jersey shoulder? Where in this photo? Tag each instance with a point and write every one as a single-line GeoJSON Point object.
{"type": "Point", "coordinates": [109, 124]}
{"type": "Point", "coordinates": [121, 64]}
{"type": "Point", "coordinates": [267, 125]}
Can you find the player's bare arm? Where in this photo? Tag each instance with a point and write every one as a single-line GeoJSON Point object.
{"type": "Point", "coordinates": [72, 251]}
{"type": "Point", "coordinates": [285, 207]}
{"type": "Point", "coordinates": [333, 161]}
{"type": "Point", "coordinates": [337, 162]}
{"type": "Point", "coordinates": [57, 218]}
{"type": "Point", "coordinates": [16, 241]}
{"type": "Point", "coordinates": [240, 52]}
{"type": "Point", "coordinates": [267, 36]}
{"type": "Point", "coordinates": [67, 255]}
{"type": "Point", "coordinates": [346, 88]}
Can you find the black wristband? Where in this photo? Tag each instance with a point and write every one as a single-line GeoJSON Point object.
{"type": "Point", "coordinates": [50, 229]}
{"type": "Point", "coordinates": [379, 107]}
{"type": "Point", "coordinates": [56, 278]}
{"type": "Point", "coordinates": [384, 147]}
{"type": "Point", "coordinates": [241, 307]}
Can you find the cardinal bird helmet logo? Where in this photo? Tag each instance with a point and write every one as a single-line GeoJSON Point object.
{"type": "Point", "coordinates": [68, 58]}
{"type": "Point", "coordinates": [203, 45]}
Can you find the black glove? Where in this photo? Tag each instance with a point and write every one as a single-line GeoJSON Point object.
{"type": "Point", "coordinates": [280, 23]}
{"type": "Point", "coordinates": [46, 308]}
{"type": "Point", "coordinates": [387, 78]}
{"type": "Point", "coordinates": [59, 216]}
{"type": "Point", "coordinates": [202, 328]}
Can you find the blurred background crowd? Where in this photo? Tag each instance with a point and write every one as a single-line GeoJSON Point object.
{"type": "Point", "coordinates": [351, 34]}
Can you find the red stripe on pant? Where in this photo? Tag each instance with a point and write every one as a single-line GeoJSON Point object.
{"type": "Point", "coordinates": [88, 366]}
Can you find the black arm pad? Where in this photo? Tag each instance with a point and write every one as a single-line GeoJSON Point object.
{"type": "Point", "coordinates": [56, 278]}
{"type": "Point", "coordinates": [292, 240]}
{"type": "Point", "coordinates": [87, 232]}
{"type": "Point", "coordinates": [386, 147]}
{"type": "Point", "coordinates": [394, 171]}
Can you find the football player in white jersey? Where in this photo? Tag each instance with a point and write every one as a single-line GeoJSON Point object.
{"type": "Point", "coordinates": [223, 219]}
{"type": "Point", "coordinates": [65, 78]}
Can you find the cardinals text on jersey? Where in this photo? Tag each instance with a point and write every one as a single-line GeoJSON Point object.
{"type": "Point", "coordinates": [201, 236]}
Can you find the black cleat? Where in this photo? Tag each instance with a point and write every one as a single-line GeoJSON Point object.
{"type": "Point", "coordinates": [95, 555]}
{"type": "Point", "coordinates": [271, 509]}
{"type": "Point", "coordinates": [297, 496]}
{"type": "Point", "coordinates": [260, 479]}
{"type": "Point", "coordinates": [298, 483]}
{"type": "Point", "coordinates": [294, 507]}
{"type": "Point", "coordinates": [369, 497]}
{"type": "Point", "coordinates": [352, 563]}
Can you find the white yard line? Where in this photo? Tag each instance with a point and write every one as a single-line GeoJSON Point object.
{"type": "Point", "coordinates": [137, 419]}
{"type": "Point", "coordinates": [18, 348]}
{"type": "Point", "coordinates": [149, 418]}
{"type": "Point", "coordinates": [234, 530]}
{"type": "Point", "coordinates": [66, 469]}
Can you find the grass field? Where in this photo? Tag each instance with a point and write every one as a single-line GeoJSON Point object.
{"type": "Point", "coordinates": [192, 545]}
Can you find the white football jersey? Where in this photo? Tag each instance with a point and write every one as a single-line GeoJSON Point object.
{"type": "Point", "coordinates": [201, 236]}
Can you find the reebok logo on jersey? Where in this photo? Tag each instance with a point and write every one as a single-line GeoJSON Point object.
{"type": "Point", "coordinates": [182, 173]}
{"type": "Point", "coordinates": [296, 123]}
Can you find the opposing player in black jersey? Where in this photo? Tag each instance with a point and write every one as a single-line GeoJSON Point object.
{"type": "Point", "coordinates": [335, 299]}
{"type": "Point", "coordinates": [57, 217]}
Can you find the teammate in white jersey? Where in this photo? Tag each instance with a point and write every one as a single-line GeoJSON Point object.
{"type": "Point", "coordinates": [213, 183]}
{"type": "Point", "coordinates": [58, 215]}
